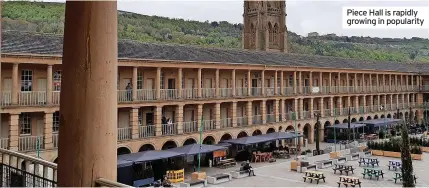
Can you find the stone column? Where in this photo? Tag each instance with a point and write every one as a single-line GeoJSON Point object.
{"type": "Point", "coordinates": [406, 81]}
{"type": "Point", "coordinates": [300, 82]}
{"type": "Point", "coordinates": [134, 80]}
{"type": "Point", "coordinates": [276, 91]}
{"type": "Point", "coordinates": [158, 120]}
{"type": "Point", "coordinates": [363, 83]}
{"type": "Point", "coordinates": [311, 110]}
{"type": "Point", "coordinates": [370, 83]}
{"type": "Point", "coordinates": [296, 107]}
{"type": "Point", "coordinates": [158, 83]}
{"type": "Point", "coordinates": [364, 104]}
{"type": "Point", "coordinates": [384, 101]}
{"type": "Point", "coordinates": [339, 83]}
{"type": "Point", "coordinates": [357, 103]}
{"type": "Point", "coordinates": [378, 83]}
{"type": "Point", "coordinates": [282, 109]}
{"type": "Point", "coordinates": [321, 82]}
{"type": "Point", "coordinates": [49, 86]}
{"type": "Point", "coordinates": [356, 83]}
{"type": "Point", "coordinates": [396, 82]}
{"type": "Point", "coordinates": [249, 83]}
{"type": "Point", "coordinates": [330, 82]}
{"type": "Point", "coordinates": [347, 82]}
{"type": "Point", "coordinates": [295, 91]}
{"type": "Point", "coordinates": [234, 114]}
{"type": "Point", "coordinates": [13, 132]}
{"type": "Point", "coordinates": [47, 131]}
{"type": "Point", "coordinates": [397, 101]}
{"type": "Point", "coordinates": [384, 83]}
{"type": "Point", "coordinates": [179, 118]}
{"type": "Point", "coordinates": [88, 143]}
{"type": "Point", "coordinates": [199, 114]}
{"type": "Point", "coordinates": [412, 82]}
{"type": "Point", "coordinates": [134, 123]}
{"type": "Point", "coordinates": [15, 85]}
{"type": "Point", "coordinates": [322, 109]}
{"type": "Point", "coordinates": [263, 111]}
{"type": "Point", "coordinates": [301, 108]}
{"type": "Point", "coordinates": [199, 83]}
{"type": "Point", "coordinates": [263, 82]}
{"type": "Point", "coordinates": [217, 115]}
{"type": "Point", "coordinates": [233, 82]}
{"type": "Point", "coordinates": [390, 82]}
{"type": "Point", "coordinates": [276, 110]}
{"type": "Point", "coordinates": [340, 105]}
{"type": "Point", "coordinates": [217, 83]}
{"type": "Point", "coordinates": [179, 82]}
{"type": "Point", "coordinates": [310, 77]}
{"type": "Point", "coordinates": [331, 105]}
{"type": "Point", "coordinates": [282, 92]}
{"type": "Point", "coordinates": [249, 112]}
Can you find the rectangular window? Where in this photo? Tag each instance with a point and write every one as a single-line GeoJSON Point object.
{"type": "Point", "coordinates": [56, 122]}
{"type": "Point", "coordinates": [25, 124]}
{"type": "Point", "coordinates": [290, 81]}
{"type": "Point", "coordinates": [139, 80]}
{"type": "Point", "coordinates": [162, 80]}
{"type": "Point", "coordinates": [57, 80]}
{"type": "Point", "coordinates": [26, 80]}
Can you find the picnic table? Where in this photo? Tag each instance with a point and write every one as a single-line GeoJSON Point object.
{"type": "Point", "coordinates": [314, 175]}
{"type": "Point", "coordinates": [368, 161]}
{"type": "Point", "coordinates": [349, 180]}
{"type": "Point", "coordinates": [281, 154]}
{"type": "Point", "coordinates": [398, 176]}
{"type": "Point", "coordinates": [395, 164]}
{"type": "Point", "coordinates": [345, 168]}
{"type": "Point", "coordinates": [373, 172]}
{"type": "Point", "coordinates": [225, 163]}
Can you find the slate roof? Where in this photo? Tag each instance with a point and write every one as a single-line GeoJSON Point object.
{"type": "Point", "coordinates": [44, 44]}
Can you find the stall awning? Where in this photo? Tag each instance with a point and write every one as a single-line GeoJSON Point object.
{"type": "Point", "coordinates": [249, 140]}
{"type": "Point", "coordinates": [345, 125]}
{"type": "Point", "coordinates": [147, 156]}
{"type": "Point", "coordinates": [193, 149]}
{"type": "Point", "coordinates": [381, 122]}
{"type": "Point", "coordinates": [124, 163]}
{"type": "Point", "coordinates": [282, 135]}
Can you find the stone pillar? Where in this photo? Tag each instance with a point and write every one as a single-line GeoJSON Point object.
{"type": "Point", "coordinates": [249, 83]}
{"type": "Point", "coordinates": [295, 91]}
{"type": "Point", "coordinates": [276, 110]}
{"type": "Point", "coordinates": [403, 100]}
{"type": "Point", "coordinates": [15, 85]}
{"type": "Point", "coordinates": [263, 82]}
{"type": "Point", "coordinates": [384, 83]}
{"type": "Point", "coordinates": [49, 86]}
{"type": "Point", "coordinates": [364, 104]}
{"type": "Point", "coordinates": [391, 103]}
{"type": "Point", "coordinates": [322, 109]}
{"type": "Point", "coordinates": [301, 108]}
{"type": "Point", "coordinates": [384, 101]}
{"type": "Point", "coordinates": [406, 81]}
{"type": "Point", "coordinates": [412, 82]}
{"type": "Point", "coordinates": [263, 111]}
{"type": "Point", "coordinates": [13, 132]}
{"type": "Point", "coordinates": [378, 83]}
{"type": "Point", "coordinates": [363, 83]}
{"type": "Point", "coordinates": [233, 82]}
{"type": "Point", "coordinates": [282, 109]}
{"type": "Point", "coordinates": [311, 110]}
{"type": "Point", "coordinates": [199, 83]}
{"type": "Point", "coordinates": [282, 92]}
{"type": "Point", "coordinates": [134, 123]}
{"type": "Point", "coordinates": [158, 120]}
{"type": "Point", "coordinates": [310, 77]}
{"type": "Point", "coordinates": [217, 115]}
{"type": "Point", "coordinates": [179, 118]}
{"type": "Point", "coordinates": [311, 135]}
{"type": "Point", "coordinates": [370, 83]}
{"type": "Point", "coordinates": [340, 105]}
{"type": "Point", "coordinates": [347, 82]}
{"type": "Point", "coordinates": [47, 131]}
{"type": "Point", "coordinates": [357, 103]}
{"type": "Point", "coordinates": [134, 84]}
{"type": "Point", "coordinates": [249, 112]}
{"type": "Point", "coordinates": [296, 107]}
{"type": "Point", "coordinates": [339, 82]}
{"type": "Point", "coordinates": [330, 82]}
{"type": "Point", "coordinates": [158, 83]}
{"type": "Point", "coordinates": [276, 91]}
{"type": "Point", "coordinates": [217, 83]}
{"type": "Point", "coordinates": [390, 82]}
{"type": "Point", "coordinates": [331, 105]}
{"type": "Point", "coordinates": [88, 143]}
{"type": "Point", "coordinates": [234, 114]}
{"type": "Point", "coordinates": [179, 82]}
{"type": "Point", "coordinates": [300, 82]}
{"type": "Point", "coordinates": [396, 82]}
{"type": "Point", "coordinates": [199, 115]}
{"type": "Point", "coordinates": [397, 101]}
{"type": "Point", "coordinates": [321, 83]}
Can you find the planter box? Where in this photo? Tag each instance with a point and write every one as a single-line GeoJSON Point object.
{"type": "Point", "coordinates": [392, 154]}
{"type": "Point", "coordinates": [417, 157]}
{"type": "Point", "coordinates": [425, 149]}
{"type": "Point", "coordinates": [361, 148]}
{"type": "Point", "coordinates": [334, 155]}
{"type": "Point", "coordinates": [377, 152]}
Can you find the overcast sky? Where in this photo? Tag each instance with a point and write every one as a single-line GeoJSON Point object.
{"type": "Point", "coordinates": [304, 16]}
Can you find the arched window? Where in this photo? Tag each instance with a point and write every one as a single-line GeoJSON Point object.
{"type": "Point", "coordinates": [252, 36]}
{"type": "Point", "coordinates": [270, 33]}
{"type": "Point", "coordinates": [276, 35]}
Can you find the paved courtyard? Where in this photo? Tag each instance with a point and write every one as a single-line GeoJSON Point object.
{"type": "Point", "coordinates": [278, 174]}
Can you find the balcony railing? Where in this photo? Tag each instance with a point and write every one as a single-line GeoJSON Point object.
{"type": "Point", "coordinates": [306, 90]}
{"type": "Point", "coordinates": [271, 118]}
{"type": "Point", "coordinates": [6, 98]}
{"type": "Point", "coordinates": [146, 94]}
{"type": "Point", "coordinates": [256, 91]}
{"type": "Point", "coordinates": [288, 91]}
{"type": "Point", "coordinates": [125, 96]}
{"type": "Point", "coordinates": [4, 143]}
{"type": "Point", "coordinates": [225, 92]}
{"type": "Point", "coordinates": [124, 133]}
{"type": "Point", "coordinates": [306, 115]}
{"type": "Point", "coordinates": [169, 129]}
{"type": "Point", "coordinates": [30, 143]}
{"type": "Point", "coordinates": [269, 91]}
{"type": "Point", "coordinates": [241, 91]}
{"type": "Point", "coordinates": [190, 93]}
{"type": "Point", "coordinates": [34, 173]}
{"type": "Point", "coordinates": [32, 98]}
{"type": "Point", "coordinates": [227, 122]}
{"type": "Point", "coordinates": [56, 97]}
{"type": "Point", "coordinates": [169, 94]}
{"type": "Point", "coordinates": [55, 139]}
{"type": "Point", "coordinates": [146, 131]}
{"type": "Point", "coordinates": [209, 125]}
{"type": "Point", "coordinates": [257, 119]}
{"type": "Point", "coordinates": [327, 112]}
{"type": "Point", "coordinates": [242, 121]}
{"type": "Point", "coordinates": [208, 92]}
{"type": "Point", "coordinates": [190, 127]}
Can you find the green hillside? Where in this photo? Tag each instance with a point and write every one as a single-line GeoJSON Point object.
{"type": "Point", "coordinates": [49, 18]}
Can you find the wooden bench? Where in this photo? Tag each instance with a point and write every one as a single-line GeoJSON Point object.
{"type": "Point", "coordinates": [373, 173]}
{"type": "Point", "coordinates": [343, 168]}
{"type": "Point", "coordinates": [353, 157]}
{"type": "Point", "coordinates": [349, 181]}
{"type": "Point", "coordinates": [219, 178]}
{"type": "Point", "coordinates": [194, 183]}
{"type": "Point", "coordinates": [227, 163]}
{"type": "Point", "coordinates": [239, 174]}
{"type": "Point", "coordinates": [398, 176]}
{"type": "Point", "coordinates": [341, 160]}
{"type": "Point", "coordinates": [395, 165]}
{"type": "Point", "coordinates": [314, 175]}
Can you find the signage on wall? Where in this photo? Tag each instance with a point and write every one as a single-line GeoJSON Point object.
{"type": "Point", "coordinates": [315, 89]}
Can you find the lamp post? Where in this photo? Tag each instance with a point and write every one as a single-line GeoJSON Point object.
{"type": "Point", "coordinates": [317, 115]}
{"type": "Point", "coordinates": [296, 135]}
{"type": "Point", "coordinates": [201, 144]}
{"type": "Point", "coordinates": [335, 132]}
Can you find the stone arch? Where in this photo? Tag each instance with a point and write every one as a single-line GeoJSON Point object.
{"type": "Point", "coordinates": [226, 136]}
{"type": "Point", "coordinates": [123, 150]}
{"type": "Point", "coordinates": [242, 134]}
{"type": "Point", "coordinates": [290, 128]}
{"type": "Point", "coordinates": [299, 127]}
{"type": "Point", "coordinates": [401, 115]}
{"type": "Point", "coordinates": [280, 129]}
{"type": "Point", "coordinates": [389, 116]}
{"type": "Point", "coordinates": [327, 124]}
{"type": "Point", "coordinates": [209, 140]}
{"type": "Point", "coordinates": [307, 130]}
{"type": "Point", "coordinates": [270, 33]}
{"type": "Point", "coordinates": [169, 144]}
{"type": "Point", "coordinates": [406, 115]}
{"type": "Point", "coordinates": [376, 117]}
{"type": "Point", "coordinates": [345, 120]}
{"type": "Point", "coordinates": [189, 141]}
{"type": "Point", "coordinates": [353, 120]}
{"type": "Point", "coordinates": [382, 116]}
{"type": "Point", "coordinates": [146, 147]}
{"type": "Point", "coordinates": [361, 119]}
{"type": "Point", "coordinates": [271, 130]}
{"type": "Point", "coordinates": [337, 121]}
{"type": "Point", "coordinates": [368, 118]}
{"type": "Point", "coordinates": [256, 132]}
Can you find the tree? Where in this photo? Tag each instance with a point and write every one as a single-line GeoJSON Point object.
{"type": "Point", "coordinates": [348, 125]}
{"type": "Point", "coordinates": [317, 133]}
{"type": "Point", "coordinates": [407, 163]}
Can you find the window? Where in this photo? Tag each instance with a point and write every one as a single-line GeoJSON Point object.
{"type": "Point", "coordinates": [117, 81]}
{"type": "Point", "coordinates": [56, 122]}
{"type": "Point", "coordinates": [290, 81]}
{"type": "Point", "coordinates": [139, 80]}
{"type": "Point", "coordinates": [26, 80]}
{"type": "Point", "coordinates": [140, 117]}
{"type": "Point", "coordinates": [162, 81]}
{"type": "Point", "coordinates": [24, 124]}
{"type": "Point", "coordinates": [57, 80]}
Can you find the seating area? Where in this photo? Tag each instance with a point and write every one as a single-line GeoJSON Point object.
{"type": "Point", "coordinates": [194, 183]}
{"type": "Point", "coordinates": [314, 175]}
{"type": "Point", "coordinates": [261, 156]}
{"type": "Point", "coordinates": [373, 172]}
{"type": "Point", "coordinates": [395, 165]}
{"type": "Point", "coordinates": [324, 163]}
{"type": "Point", "coordinates": [239, 174]}
{"type": "Point", "coordinates": [226, 163]}
{"type": "Point", "coordinates": [368, 161]}
{"type": "Point", "coordinates": [349, 181]}
{"type": "Point", "coordinates": [398, 176]}
{"type": "Point", "coordinates": [343, 168]}
{"type": "Point", "coordinates": [219, 178]}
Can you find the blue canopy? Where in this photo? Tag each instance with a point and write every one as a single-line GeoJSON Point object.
{"type": "Point", "coordinates": [381, 122]}
{"type": "Point", "coordinates": [249, 140]}
{"type": "Point", "coordinates": [193, 149]}
{"type": "Point", "coordinates": [282, 135]}
{"type": "Point", "coordinates": [147, 156]}
{"type": "Point", "coordinates": [345, 125]}
{"type": "Point", "coordinates": [124, 163]}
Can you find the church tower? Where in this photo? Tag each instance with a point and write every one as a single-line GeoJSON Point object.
{"type": "Point", "coordinates": [265, 26]}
